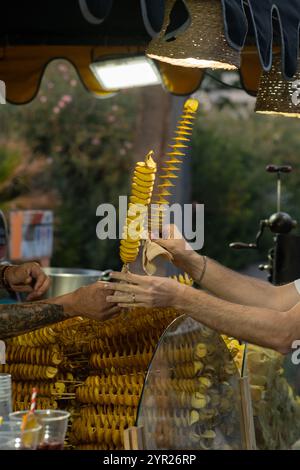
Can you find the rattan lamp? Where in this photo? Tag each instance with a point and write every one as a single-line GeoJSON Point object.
{"type": "Point", "coordinates": [277, 95]}
{"type": "Point", "coordinates": [202, 44]}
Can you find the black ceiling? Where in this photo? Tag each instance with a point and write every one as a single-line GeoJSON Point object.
{"type": "Point", "coordinates": [62, 22]}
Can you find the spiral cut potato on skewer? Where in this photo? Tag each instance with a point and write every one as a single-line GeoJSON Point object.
{"type": "Point", "coordinates": [92, 411]}
{"type": "Point", "coordinates": [108, 396]}
{"type": "Point", "coordinates": [102, 426]}
{"type": "Point", "coordinates": [139, 321]}
{"type": "Point", "coordinates": [140, 360]}
{"type": "Point", "coordinates": [101, 430]}
{"type": "Point", "coordinates": [141, 193]}
{"type": "Point", "coordinates": [41, 403]}
{"type": "Point", "coordinates": [169, 172]}
{"type": "Point", "coordinates": [41, 337]}
{"type": "Point", "coordinates": [172, 163]}
{"type": "Point", "coordinates": [124, 343]}
{"type": "Point", "coordinates": [46, 389]}
{"type": "Point", "coordinates": [42, 356]}
{"type": "Point", "coordinates": [122, 381]}
{"type": "Point", "coordinates": [123, 390]}
{"type": "Point", "coordinates": [29, 371]}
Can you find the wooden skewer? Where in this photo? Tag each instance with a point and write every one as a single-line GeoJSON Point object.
{"type": "Point", "coordinates": [83, 361]}
{"type": "Point", "coordinates": [70, 381]}
{"type": "Point", "coordinates": [62, 394]}
{"type": "Point", "coordinates": [77, 353]}
{"type": "Point", "coordinates": [65, 398]}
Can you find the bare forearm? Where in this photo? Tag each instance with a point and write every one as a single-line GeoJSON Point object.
{"type": "Point", "coordinates": [17, 319]}
{"type": "Point", "coordinates": [263, 326]}
{"type": "Point", "coordinates": [234, 287]}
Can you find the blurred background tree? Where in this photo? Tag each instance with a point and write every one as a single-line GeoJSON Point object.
{"type": "Point", "coordinates": [230, 152]}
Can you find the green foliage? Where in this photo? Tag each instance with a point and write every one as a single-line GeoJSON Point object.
{"type": "Point", "coordinates": [9, 160]}
{"type": "Point", "coordinates": [229, 156]}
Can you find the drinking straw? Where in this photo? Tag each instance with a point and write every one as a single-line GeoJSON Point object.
{"type": "Point", "coordinates": [31, 410]}
{"type": "Point", "coordinates": [33, 400]}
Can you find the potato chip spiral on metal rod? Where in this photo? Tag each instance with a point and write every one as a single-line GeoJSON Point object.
{"type": "Point", "coordinates": [172, 162]}
{"type": "Point", "coordinates": [141, 193]}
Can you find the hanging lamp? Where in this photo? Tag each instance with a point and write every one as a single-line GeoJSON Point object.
{"type": "Point", "coordinates": [276, 95]}
{"type": "Point", "coordinates": [199, 42]}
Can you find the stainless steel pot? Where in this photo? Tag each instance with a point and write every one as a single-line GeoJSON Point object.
{"type": "Point", "coordinates": [65, 280]}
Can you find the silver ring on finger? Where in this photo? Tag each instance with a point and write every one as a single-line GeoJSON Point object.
{"type": "Point", "coordinates": [133, 298]}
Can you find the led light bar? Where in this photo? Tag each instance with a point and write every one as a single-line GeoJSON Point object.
{"type": "Point", "coordinates": [129, 72]}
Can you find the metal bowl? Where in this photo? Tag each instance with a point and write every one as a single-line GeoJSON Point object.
{"type": "Point", "coordinates": [65, 280]}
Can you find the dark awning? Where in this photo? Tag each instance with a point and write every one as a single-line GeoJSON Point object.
{"type": "Point", "coordinates": [74, 22]}
{"type": "Point", "coordinates": [271, 21]}
{"type": "Point", "coordinates": [34, 33]}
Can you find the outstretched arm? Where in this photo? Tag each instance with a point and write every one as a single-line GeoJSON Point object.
{"type": "Point", "coordinates": [17, 319]}
{"type": "Point", "coordinates": [88, 301]}
{"type": "Point", "coordinates": [223, 282]}
{"type": "Point", "coordinates": [260, 325]}
{"type": "Point", "coordinates": [238, 288]}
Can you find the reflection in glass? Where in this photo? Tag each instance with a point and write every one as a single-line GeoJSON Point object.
{"type": "Point", "coordinates": [191, 396]}
{"type": "Point", "coordinates": [275, 387]}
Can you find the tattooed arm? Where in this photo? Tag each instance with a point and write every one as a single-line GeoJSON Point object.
{"type": "Point", "coordinates": [17, 319]}
{"type": "Point", "coordinates": [89, 301]}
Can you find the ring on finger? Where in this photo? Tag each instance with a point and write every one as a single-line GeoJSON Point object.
{"type": "Point", "coordinates": [133, 298]}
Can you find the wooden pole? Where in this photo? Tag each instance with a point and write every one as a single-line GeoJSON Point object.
{"type": "Point", "coordinates": [248, 431]}
{"type": "Point", "coordinates": [134, 438]}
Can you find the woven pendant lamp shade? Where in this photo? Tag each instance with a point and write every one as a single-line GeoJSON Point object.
{"type": "Point", "coordinates": [277, 95]}
{"type": "Point", "coordinates": [202, 44]}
